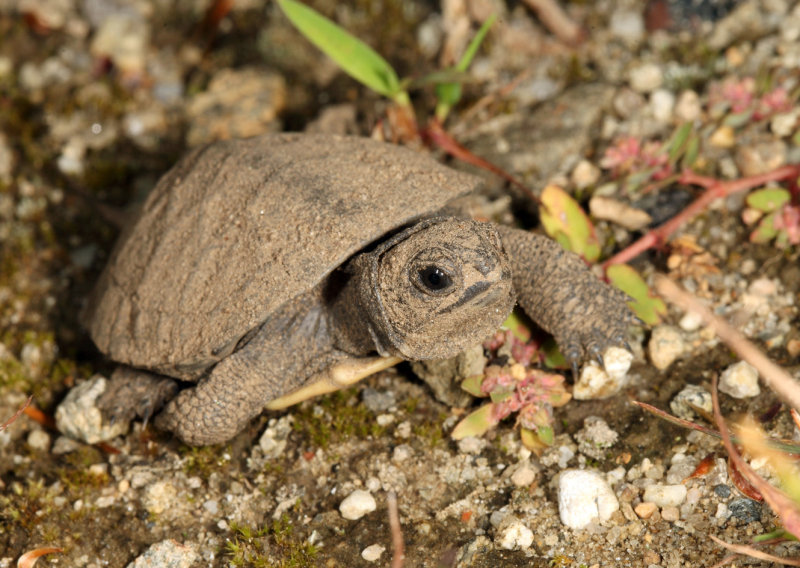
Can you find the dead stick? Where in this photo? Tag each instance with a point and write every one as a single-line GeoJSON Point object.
{"type": "Point", "coordinates": [774, 376]}
{"type": "Point", "coordinates": [397, 533]}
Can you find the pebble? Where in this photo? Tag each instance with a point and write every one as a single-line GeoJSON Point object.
{"type": "Point", "coordinates": [761, 158]}
{"type": "Point", "coordinates": [784, 124]}
{"type": "Point", "coordinates": [357, 504]}
{"type": "Point", "coordinates": [645, 509]}
{"type": "Point", "coordinates": [39, 440]}
{"type": "Point", "coordinates": [524, 476]}
{"type": "Point", "coordinates": [681, 404]}
{"type": "Point", "coordinates": [78, 416]}
{"type": "Point", "coordinates": [512, 534]}
{"type": "Point", "coordinates": [646, 78]}
{"type": "Point", "coordinates": [167, 553]}
{"type": "Point", "coordinates": [665, 495]}
{"type": "Point", "coordinates": [585, 174]}
{"type": "Point", "coordinates": [123, 39]}
{"type": "Point", "coordinates": [688, 107]}
{"type": "Point", "coordinates": [691, 321]}
{"type": "Point", "coordinates": [584, 496]}
{"type": "Point", "coordinates": [472, 445]}
{"type": "Point", "coordinates": [665, 346]}
{"type": "Point", "coordinates": [670, 514]}
{"type": "Point", "coordinates": [723, 137]}
{"type": "Point", "coordinates": [627, 25]}
{"type": "Point", "coordinates": [596, 383]}
{"type": "Point", "coordinates": [595, 437]}
{"type": "Point", "coordinates": [373, 552]}
{"type": "Point", "coordinates": [273, 440]}
{"type": "Point", "coordinates": [378, 401]}
{"type": "Point", "coordinates": [159, 497]}
{"type": "Point", "coordinates": [746, 510]}
{"type": "Point", "coordinates": [662, 104]}
{"type": "Point", "coordinates": [610, 209]}
{"type": "Point", "coordinates": [740, 380]}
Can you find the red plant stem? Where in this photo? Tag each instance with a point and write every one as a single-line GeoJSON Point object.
{"type": "Point", "coordinates": [436, 134]}
{"type": "Point", "coordinates": [714, 188]}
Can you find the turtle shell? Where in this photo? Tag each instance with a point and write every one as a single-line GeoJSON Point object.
{"type": "Point", "coordinates": [240, 227]}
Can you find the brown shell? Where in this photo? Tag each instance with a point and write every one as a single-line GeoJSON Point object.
{"type": "Point", "coordinates": [238, 228]}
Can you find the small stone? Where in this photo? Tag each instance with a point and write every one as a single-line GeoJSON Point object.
{"type": "Point", "coordinates": [688, 107]}
{"type": "Point", "coordinates": [378, 401]}
{"type": "Point", "coordinates": [212, 506]}
{"type": "Point", "coordinates": [665, 495]}
{"type": "Point", "coordinates": [691, 321]}
{"type": "Point", "coordinates": [740, 380]}
{"type": "Point", "coordinates": [512, 534]}
{"type": "Point", "coordinates": [646, 78]}
{"type": "Point", "coordinates": [645, 509]}
{"type": "Point", "coordinates": [273, 440]}
{"type": "Point", "coordinates": [662, 104]}
{"type": "Point", "coordinates": [784, 123]}
{"type": "Point", "coordinates": [670, 514]}
{"type": "Point", "coordinates": [691, 395]}
{"type": "Point", "coordinates": [761, 158]}
{"type": "Point", "coordinates": [167, 553]}
{"type": "Point", "coordinates": [746, 510]}
{"type": "Point", "coordinates": [596, 383]}
{"type": "Point", "coordinates": [585, 174]}
{"type": "Point", "coordinates": [723, 491]}
{"type": "Point", "coordinates": [78, 416]}
{"type": "Point", "coordinates": [471, 445]}
{"type": "Point", "coordinates": [627, 25]}
{"type": "Point", "coordinates": [373, 552]}
{"type": "Point", "coordinates": [123, 38]}
{"type": "Point", "coordinates": [402, 453]}
{"type": "Point", "coordinates": [723, 137]}
{"type": "Point", "coordinates": [666, 345]}
{"type": "Point", "coordinates": [610, 209]}
{"type": "Point", "coordinates": [584, 496]}
{"type": "Point", "coordinates": [524, 476]}
{"type": "Point", "coordinates": [357, 504]}
{"type": "Point", "coordinates": [595, 437]}
{"type": "Point", "coordinates": [159, 497]}
{"type": "Point", "coordinates": [39, 440]}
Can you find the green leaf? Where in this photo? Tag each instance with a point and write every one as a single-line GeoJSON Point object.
{"type": "Point", "coordinates": [448, 94]}
{"type": "Point", "coordinates": [545, 435]}
{"type": "Point", "coordinates": [355, 57]}
{"type": "Point", "coordinates": [646, 305]}
{"type": "Point", "coordinates": [475, 424]}
{"type": "Point", "coordinates": [766, 230]}
{"type": "Point", "coordinates": [472, 385]}
{"type": "Point", "coordinates": [499, 395]}
{"type": "Point", "coordinates": [768, 199]}
{"type": "Point", "coordinates": [531, 440]}
{"type": "Point", "coordinates": [552, 355]}
{"type": "Point", "coordinates": [677, 144]}
{"type": "Point", "coordinates": [692, 152]}
{"type": "Point", "coordinates": [516, 323]}
{"type": "Point", "coordinates": [566, 222]}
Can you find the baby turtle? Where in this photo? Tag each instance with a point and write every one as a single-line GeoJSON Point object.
{"type": "Point", "coordinates": [272, 269]}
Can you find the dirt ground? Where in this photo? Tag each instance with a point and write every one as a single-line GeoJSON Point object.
{"type": "Point", "coordinates": [98, 99]}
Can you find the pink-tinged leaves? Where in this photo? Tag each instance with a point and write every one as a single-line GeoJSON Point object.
{"type": "Point", "coordinates": [782, 219]}
{"type": "Point", "coordinates": [566, 222]}
{"type": "Point", "coordinates": [475, 424]}
{"type": "Point", "coordinates": [646, 305]}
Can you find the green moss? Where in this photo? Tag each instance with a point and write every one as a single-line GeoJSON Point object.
{"type": "Point", "coordinates": [275, 546]}
{"type": "Point", "coordinates": [204, 460]}
{"type": "Point", "coordinates": [336, 417]}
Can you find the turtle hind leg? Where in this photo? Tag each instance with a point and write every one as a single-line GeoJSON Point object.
{"type": "Point", "coordinates": [133, 392]}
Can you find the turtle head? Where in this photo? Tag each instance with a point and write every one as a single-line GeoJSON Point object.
{"type": "Point", "coordinates": [437, 288]}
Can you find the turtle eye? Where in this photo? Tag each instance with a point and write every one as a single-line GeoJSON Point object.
{"type": "Point", "coordinates": [435, 279]}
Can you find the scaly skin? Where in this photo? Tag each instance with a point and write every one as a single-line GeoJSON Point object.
{"type": "Point", "coordinates": [558, 291]}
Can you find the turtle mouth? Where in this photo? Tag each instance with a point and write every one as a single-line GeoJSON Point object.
{"type": "Point", "coordinates": [479, 294]}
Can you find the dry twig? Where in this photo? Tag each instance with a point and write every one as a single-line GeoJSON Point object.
{"type": "Point", "coordinates": [398, 554]}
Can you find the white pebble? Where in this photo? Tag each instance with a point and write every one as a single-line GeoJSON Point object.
{"type": "Point", "coordinates": [665, 495]}
{"type": "Point", "coordinates": [688, 107]}
{"type": "Point", "coordinates": [78, 416]}
{"type": "Point", "coordinates": [512, 534]}
{"type": "Point", "coordinates": [584, 496]}
{"type": "Point", "coordinates": [373, 552]}
{"type": "Point", "coordinates": [357, 504]}
{"type": "Point", "coordinates": [596, 383]}
{"type": "Point", "coordinates": [585, 174]}
{"type": "Point", "coordinates": [666, 345]}
{"type": "Point", "coordinates": [740, 380]}
{"type": "Point", "coordinates": [627, 25]}
{"type": "Point", "coordinates": [646, 78]}
{"type": "Point", "coordinates": [662, 103]}
{"type": "Point", "coordinates": [691, 395]}
{"type": "Point", "coordinates": [691, 321]}
{"type": "Point", "coordinates": [39, 440]}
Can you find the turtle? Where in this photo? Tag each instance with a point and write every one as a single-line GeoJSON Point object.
{"type": "Point", "coordinates": [261, 272]}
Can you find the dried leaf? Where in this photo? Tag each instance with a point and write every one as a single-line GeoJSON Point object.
{"type": "Point", "coordinates": [28, 559]}
{"type": "Point", "coordinates": [702, 468]}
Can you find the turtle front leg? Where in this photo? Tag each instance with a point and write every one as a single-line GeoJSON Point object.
{"type": "Point", "coordinates": [557, 290]}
